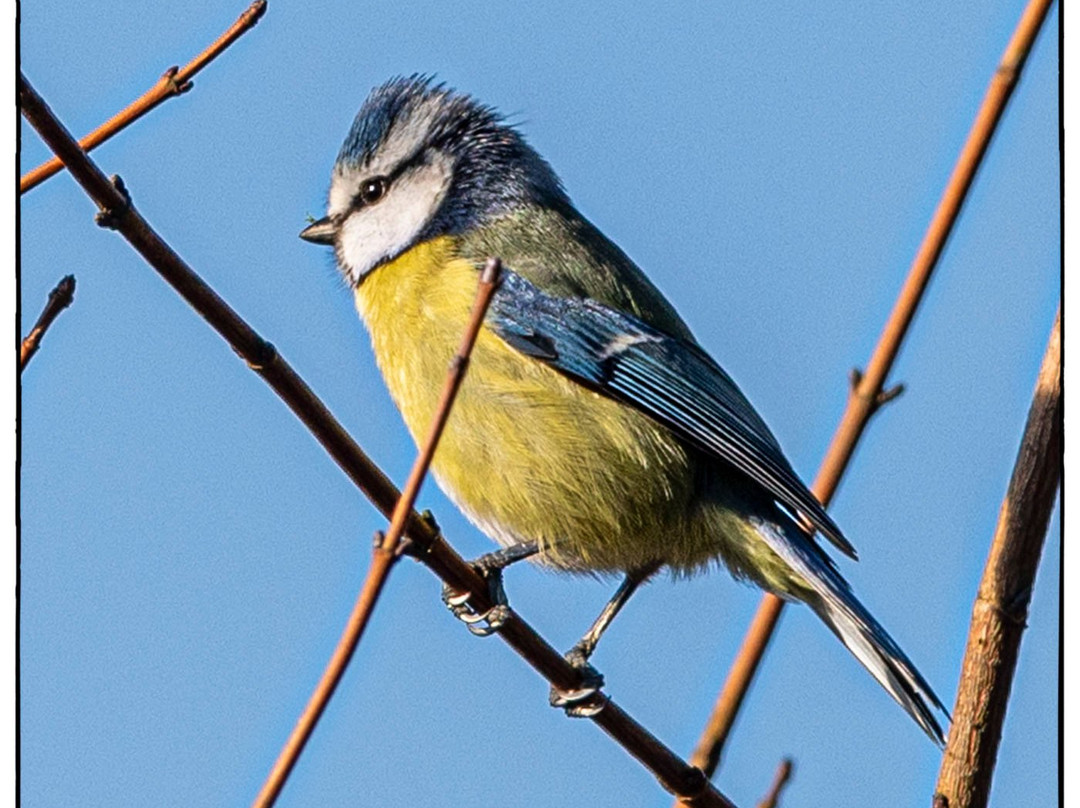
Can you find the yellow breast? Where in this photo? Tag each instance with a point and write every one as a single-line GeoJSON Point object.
{"type": "Point", "coordinates": [527, 454]}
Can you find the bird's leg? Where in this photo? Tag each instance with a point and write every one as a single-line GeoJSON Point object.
{"type": "Point", "coordinates": [579, 703]}
{"type": "Point", "coordinates": [490, 567]}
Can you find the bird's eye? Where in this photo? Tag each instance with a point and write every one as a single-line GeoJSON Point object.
{"type": "Point", "coordinates": [372, 190]}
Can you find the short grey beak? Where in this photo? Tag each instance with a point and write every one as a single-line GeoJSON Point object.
{"type": "Point", "coordinates": [320, 232]}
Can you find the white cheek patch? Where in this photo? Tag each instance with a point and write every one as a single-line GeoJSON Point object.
{"type": "Point", "coordinates": [342, 189]}
{"type": "Point", "coordinates": [385, 229]}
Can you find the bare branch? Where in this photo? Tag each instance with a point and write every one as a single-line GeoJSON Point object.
{"type": "Point", "coordinates": [868, 392]}
{"type": "Point", "coordinates": [59, 299]}
{"type": "Point", "coordinates": [428, 546]}
{"type": "Point", "coordinates": [173, 82]}
{"type": "Point", "coordinates": [999, 616]}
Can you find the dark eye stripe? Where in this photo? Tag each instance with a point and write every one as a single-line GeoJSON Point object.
{"type": "Point", "coordinates": [374, 188]}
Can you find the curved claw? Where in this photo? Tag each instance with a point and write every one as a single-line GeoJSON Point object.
{"type": "Point", "coordinates": [471, 618]}
{"type": "Point", "coordinates": [481, 624]}
{"type": "Point", "coordinates": [495, 618]}
{"type": "Point", "coordinates": [452, 598]}
{"type": "Point", "coordinates": [568, 698]}
{"type": "Point", "coordinates": [586, 700]}
{"type": "Point", "coordinates": [586, 709]}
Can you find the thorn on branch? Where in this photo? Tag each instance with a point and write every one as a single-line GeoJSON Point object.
{"type": "Point", "coordinates": [110, 217]}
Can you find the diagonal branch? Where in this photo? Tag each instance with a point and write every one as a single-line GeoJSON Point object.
{"type": "Point", "coordinates": [999, 616]}
{"type": "Point", "coordinates": [173, 82]}
{"type": "Point", "coordinates": [59, 299]}
{"type": "Point", "coordinates": [386, 553]}
{"type": "Point", "coordinates": [672, 772]}
{"type": "Point", "coordinates": [868, 391]}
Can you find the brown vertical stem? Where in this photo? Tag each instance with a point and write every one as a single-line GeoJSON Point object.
{"type": "Point", "coordinates": [1000, 612]}
{"type": "Point", "coordinates": [868, 391]}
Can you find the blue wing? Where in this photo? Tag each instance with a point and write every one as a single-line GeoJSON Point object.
{"type": "Point", "coordinates": [669, 379]}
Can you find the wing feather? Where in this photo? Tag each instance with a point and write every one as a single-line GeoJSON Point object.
{"type": "Point", "coordinates": [668, 378]}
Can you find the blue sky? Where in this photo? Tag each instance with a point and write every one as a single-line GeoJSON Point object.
{"type": "Point", "coordinates": [189, 553]}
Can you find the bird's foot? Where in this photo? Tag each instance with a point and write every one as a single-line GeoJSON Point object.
{"type": "Point", "coordinates": [490, 567]}
{"type": "Point", "coordinates": [584, 701]}
{"type": "Point", "coordinates": [487, 622]}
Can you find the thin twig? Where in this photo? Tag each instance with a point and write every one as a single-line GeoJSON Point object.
{"type": "Point", "coordinates": [173, 82]}
{"type": "Point", "coordinates": [488, 281]}
{"type": "Point", "coordinates": [999, 616]}
{"type": "Point", "coordinates": [59, 299]}
{"type": "Point", "coordinates": [867, 393]}
{"type": "Point", "coordinates": [780, 779]}
{"type": "Point", "coordinates": [385, 554]}
{"type": "Point", "coordinates": [428, 545]}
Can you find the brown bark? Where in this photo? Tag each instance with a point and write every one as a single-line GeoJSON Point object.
{"type": "Point", "coordinates": [999, 616]}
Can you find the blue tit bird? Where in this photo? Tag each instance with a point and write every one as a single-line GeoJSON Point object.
{"type": "Point", "coordinates": [592, 433]}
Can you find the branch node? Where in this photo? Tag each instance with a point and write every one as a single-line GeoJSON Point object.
{"type": "Point", "coordinates": [1007, 72]}
{"type": "Point", "coordinates": [885, 396]}
{"type": "Point", "coordinates": [1013, 611]}
{"type": "Point", "coordinates": [110, 216]}
{"type": "Point", "coordinates": [692, 785]}
{"type": "Point", "coordinates": [406, 547]}
{"type": "Point", "coordinates": [263, 355]}
{"type": "Point", "coordinates": [418, 550]}
{"type": "Point", "coordinates": [876, 398]}
{"type": "Point", "coordinates": [170, 84]}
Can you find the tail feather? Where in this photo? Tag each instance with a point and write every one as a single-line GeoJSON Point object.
{"type": "Point", "coordinates": [833, 601]}
{"type": "Point", "coordinates": [879, 654]}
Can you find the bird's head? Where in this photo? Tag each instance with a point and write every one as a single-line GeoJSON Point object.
{"type": "Point", "coordinates": [422, 161]}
